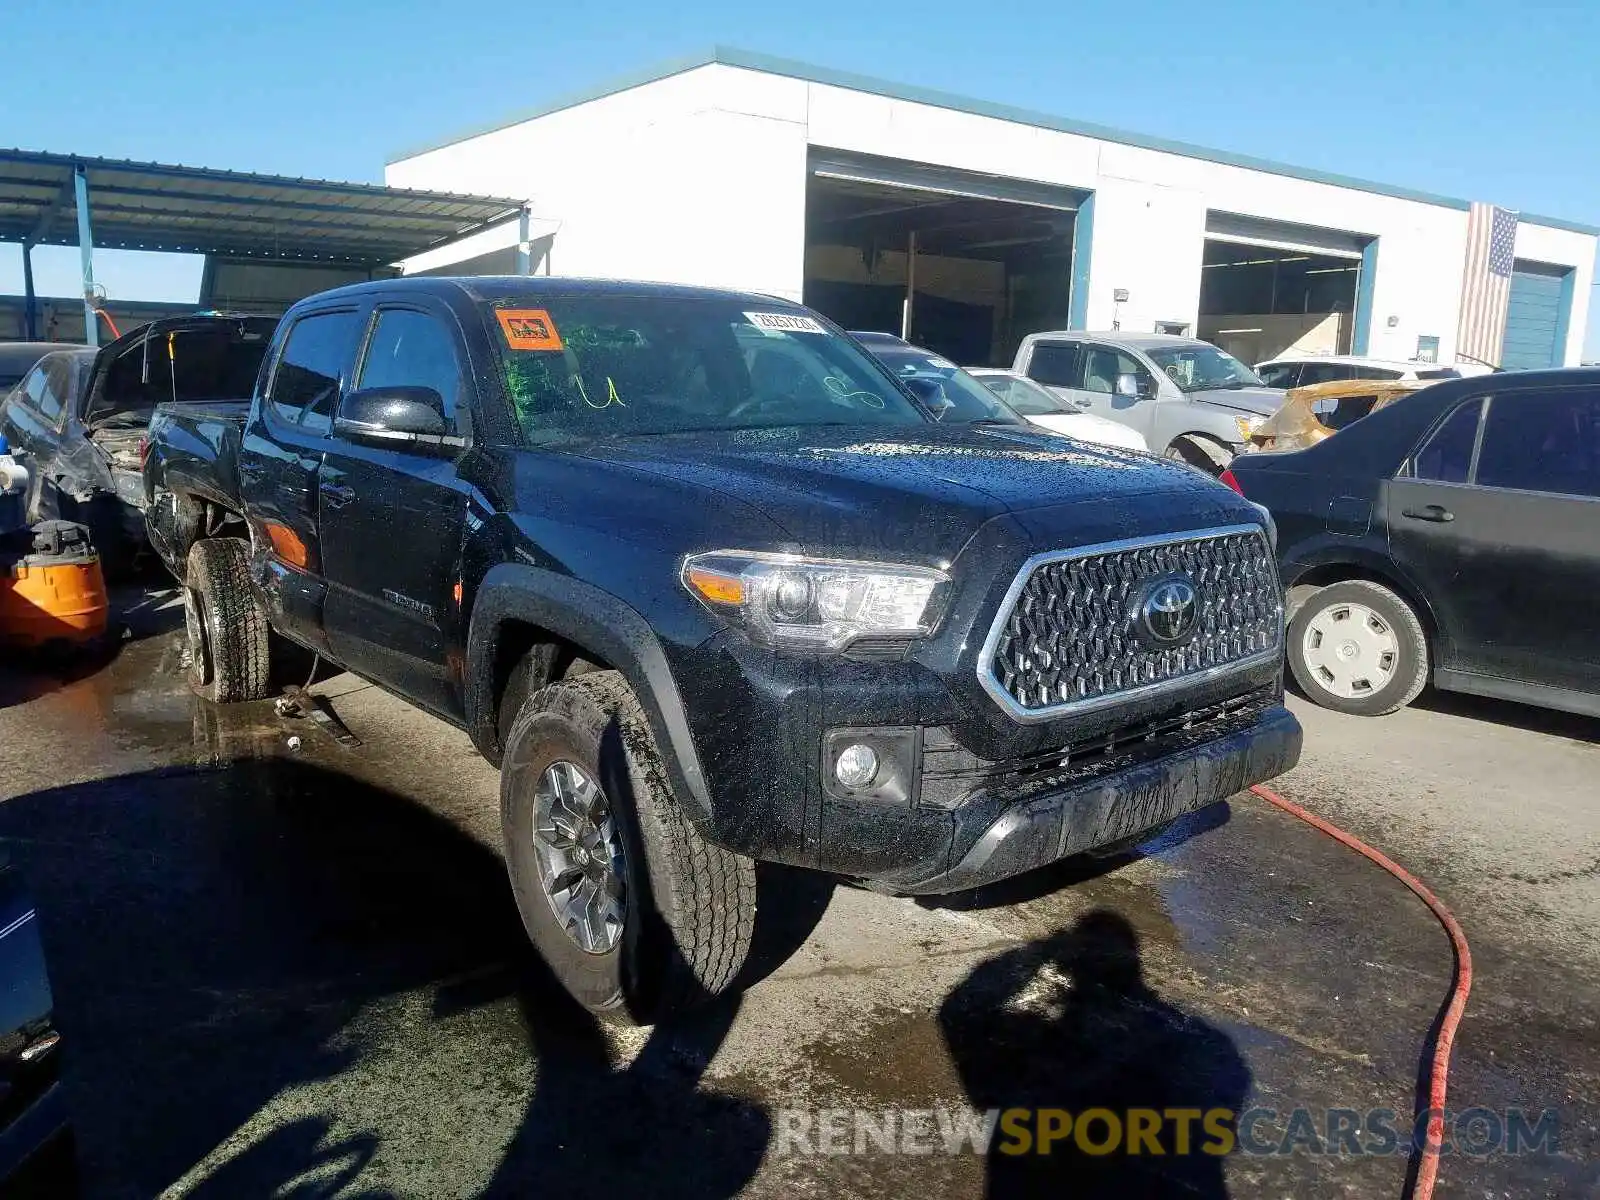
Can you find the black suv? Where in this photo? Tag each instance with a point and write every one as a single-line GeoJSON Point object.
{"type": "Point", "coordinates": [1453, 535]}
{"type": "Point", "coordinates": [712, 587]}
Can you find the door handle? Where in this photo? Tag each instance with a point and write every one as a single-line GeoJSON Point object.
{"type": "Point", "coordinates": [336, 494]}
{"type": "Point", "coordinates": [1436, 513]}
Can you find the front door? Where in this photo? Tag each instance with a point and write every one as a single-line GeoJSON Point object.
{"type": "Point", "coordinates": [1102, 367]}
{"type": "Point", "coordinates": [1502, 528]}
{"type": "Point", "coordinates": [392, 522]}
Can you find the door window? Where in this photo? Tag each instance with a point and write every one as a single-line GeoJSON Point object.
{"type": "Point", "coordinates": [1376, 373]}
{"type": "Point", "coordinates": [1446, 457]}
{"type": "Point", "coordinates": [1055, 364]}
{"type": "Point", "coordinates": [1543, 442]}
{"type": "Point", "coordinates": [305, 383]}
{"type": "Point", "coordinates": [413, 349]}
{"type": "Point", "coordinates": [1280, 375]}
{"type": "Point", "coordinates": [1324, 372]}
{"type": "Point", "coordinates": [1102, 365]}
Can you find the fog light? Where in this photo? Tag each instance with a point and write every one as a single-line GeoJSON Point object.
{"type": "Point", "coordinates": [857, 766]}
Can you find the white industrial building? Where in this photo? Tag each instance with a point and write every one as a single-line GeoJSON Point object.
{"type": "Point", "coordinates": [881, 203]}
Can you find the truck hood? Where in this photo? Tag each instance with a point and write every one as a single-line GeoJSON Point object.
{"type": "Point", "coordinates": [1249, 401]}
{"type": "Point", "coordinates": [902, 493]}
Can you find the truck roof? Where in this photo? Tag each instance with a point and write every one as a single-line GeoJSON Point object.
{"type": "Point", "coordinates": [509, 287]}
{"type": "Point", "coordinates": [1118, 337]}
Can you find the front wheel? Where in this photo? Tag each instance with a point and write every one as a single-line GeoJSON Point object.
{"type": "Point", "coordinates": [1358, 648]}
{"type": "Point", "coordinates": [635, 912]}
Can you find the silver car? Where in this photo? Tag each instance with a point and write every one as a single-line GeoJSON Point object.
{"type": "Point", "coordinates": [1186, 398]}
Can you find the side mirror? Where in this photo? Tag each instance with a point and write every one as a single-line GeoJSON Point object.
{"type": "Point", "coordinates": [395, 414]}
{"type": "Point", "coordinates": [1134, 387]}
{"type": "Point", "coordinates": [930, 392]}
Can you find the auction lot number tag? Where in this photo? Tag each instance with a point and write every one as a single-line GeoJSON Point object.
{"type": "Point", "coordinates": [784, 323]}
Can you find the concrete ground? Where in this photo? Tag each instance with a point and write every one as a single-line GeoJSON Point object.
{"type": "Point", "coordinates": [300, 973]}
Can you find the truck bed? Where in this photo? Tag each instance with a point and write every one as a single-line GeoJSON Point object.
{"type": "Point", "coordinates": [193, 446]}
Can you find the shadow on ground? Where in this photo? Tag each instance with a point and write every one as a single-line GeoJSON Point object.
{"type": "Point", "coordinates": [1069, 1023]}
{"type": "Point", "coordinates": [210, 934]}
{"type": "Point", "coordinates": [1508, 712]}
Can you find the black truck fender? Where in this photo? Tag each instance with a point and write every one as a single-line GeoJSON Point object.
{"type": "Point", "coordinates": [175, 517]}
{"type": "Point", "coordinates": [594, 619]}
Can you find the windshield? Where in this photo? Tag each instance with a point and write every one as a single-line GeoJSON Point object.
{"type": "Point", "coordinates": [1027, 397]}
{"type": "Point", "coordinates": [1197, 367]}
{"type": "Point", "coordinates": [968, 401]}
{"type": "Point", "coordinates": [596, 366]}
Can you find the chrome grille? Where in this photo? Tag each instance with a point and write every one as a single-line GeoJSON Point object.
{"type": "Point", "coordinates": [1064, 639]}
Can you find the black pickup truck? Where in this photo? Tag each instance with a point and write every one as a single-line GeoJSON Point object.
{"type": "Point", "coordinates": [710, 586]}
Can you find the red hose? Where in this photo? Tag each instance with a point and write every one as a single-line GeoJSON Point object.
{"type": "Point", "coordinates": [1439, 1075]}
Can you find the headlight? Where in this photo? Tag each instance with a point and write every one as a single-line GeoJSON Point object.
{"type": "Point", "coordinates": [787, 600]}
{"type": "Point", "coordinates": [1248, 426]}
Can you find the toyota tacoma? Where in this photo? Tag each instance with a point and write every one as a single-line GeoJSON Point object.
{"type": "Point", "coordinates": [711, 587]}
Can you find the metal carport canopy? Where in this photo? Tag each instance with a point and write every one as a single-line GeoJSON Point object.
{"type": "Point", "coordinates": [68, 199]}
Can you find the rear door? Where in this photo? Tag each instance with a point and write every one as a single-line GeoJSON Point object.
{"type": "Point", "coordinates": [1058, 366]}
{"type": "Point", "coordinates": [280, 457]}
{"type": "Point", "coordinates": [36, 419]}
{"type": "Point", "coordinates": [1508, 547]}
{"type": "Point", "coordinates": [393, 518]}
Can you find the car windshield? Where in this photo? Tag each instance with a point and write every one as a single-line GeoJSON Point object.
{"type": "Point", "coordinates": [593, 366]}
{"type": "Point", "coordinates": [967, 402]}
{"type": "Point", "coordinates": [1027, 397]}
{"type": "Point", "coordinates": [1197, 367]}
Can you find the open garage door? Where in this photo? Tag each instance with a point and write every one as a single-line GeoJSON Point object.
{"type": "Point", "coordinates": [962, 263]}
{"type": "Point", "coordinates": [1270, 287]}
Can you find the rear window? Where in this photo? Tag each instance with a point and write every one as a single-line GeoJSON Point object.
{"type": "Point", "coordinates": [210, 363]}
{"type": "Point", "coordinates": [596, 366]}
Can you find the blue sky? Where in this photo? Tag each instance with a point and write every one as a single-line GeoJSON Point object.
{"type": "Point", "coordinates": [1469, 98]}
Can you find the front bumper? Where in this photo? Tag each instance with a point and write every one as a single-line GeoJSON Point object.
{"type": "Point", "coordinates": [977, 808]}
{"type": "Point", "coordinates": [1073, 819]}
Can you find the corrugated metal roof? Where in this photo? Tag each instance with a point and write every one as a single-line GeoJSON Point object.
{"type": "Point", "coordinates": [197, 210]}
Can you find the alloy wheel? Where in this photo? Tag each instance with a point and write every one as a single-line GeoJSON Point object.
{"type": "Point", "coordinates": [579, 856]}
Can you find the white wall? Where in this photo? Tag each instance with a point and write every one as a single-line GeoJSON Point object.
{"type": "Point", "coordinates": [700, 178]}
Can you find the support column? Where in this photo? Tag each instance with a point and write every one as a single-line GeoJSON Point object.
{"type": "Point", "coordinates": [524, 249]}
{"type": "Point", "coordinates": [911, 286]}
{"type": "Point", "coordinates": [30, 305]}
{"type": "Point", "coordinates": [80, 185]}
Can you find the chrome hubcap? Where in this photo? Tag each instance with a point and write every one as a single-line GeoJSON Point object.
{"type": "Point", "coordinates": [579, 856]}
{"type": "Point", "coordinates": [1351, 650]}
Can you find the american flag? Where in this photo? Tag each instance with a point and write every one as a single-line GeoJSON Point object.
{"type": "Point", "coordinates": [1486, 286]}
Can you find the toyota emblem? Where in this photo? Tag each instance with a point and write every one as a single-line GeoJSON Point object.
{"type": "Point", "coordinates": [1166, 612]}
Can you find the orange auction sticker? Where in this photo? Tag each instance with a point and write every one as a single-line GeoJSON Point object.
{"type": "Point", "coordinates": [528, 329]}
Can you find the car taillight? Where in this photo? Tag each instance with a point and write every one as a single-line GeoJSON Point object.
{"type": "Point", "coordinates": [144, 450]}
{"type": "Point", "coordinates": [1232, 480]}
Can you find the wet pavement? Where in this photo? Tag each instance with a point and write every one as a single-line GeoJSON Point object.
{"type": "Point", "coordinates": [300, 972]}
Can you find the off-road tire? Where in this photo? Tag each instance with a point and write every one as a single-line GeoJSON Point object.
{"type": "Point", "coordinates": [689, 905]}
{"type": "Point", "coordinates": [1411, 670]}
{"type": "Point", "coordinates": [228, 633]}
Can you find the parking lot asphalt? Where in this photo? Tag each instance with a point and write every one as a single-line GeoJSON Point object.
{"type": "Point", "coordinates": [285, 972]}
